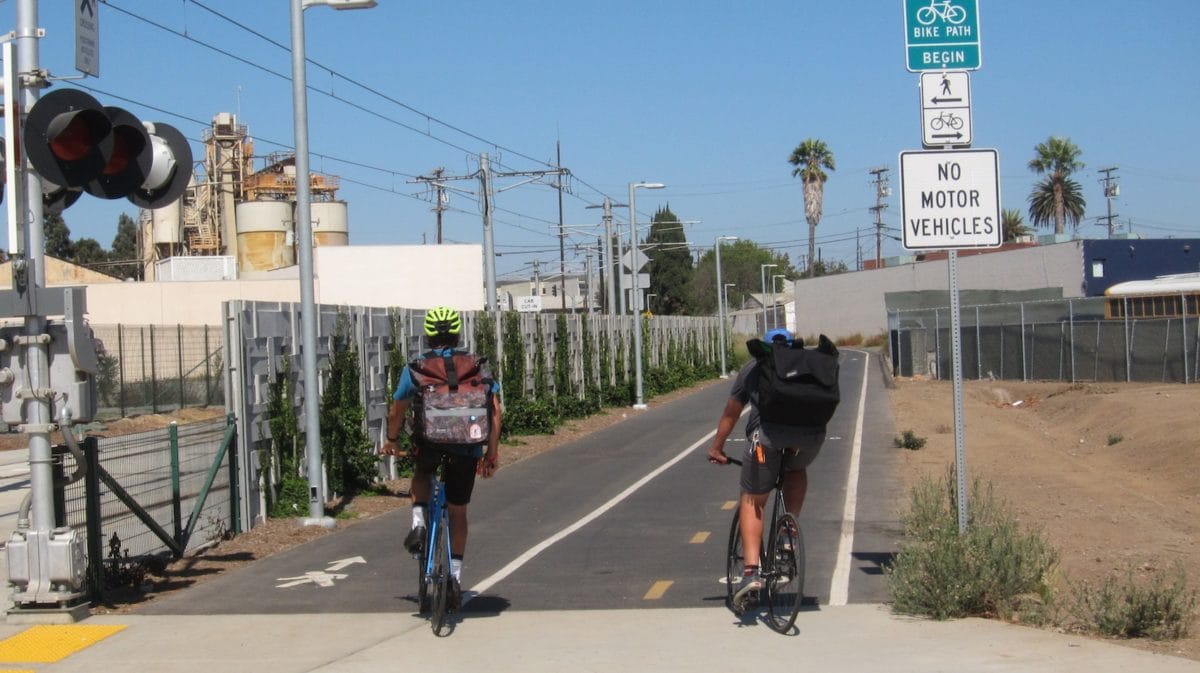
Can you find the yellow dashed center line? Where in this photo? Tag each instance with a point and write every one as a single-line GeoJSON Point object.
{"type": "Point", "coordinates": [657, 590]}
{"type": "Point", "coordinates": [46, 644]}
{"type": "Point", "coordinates": [701, 537]}
{"type": "Point", "coordinates": [730, 504]}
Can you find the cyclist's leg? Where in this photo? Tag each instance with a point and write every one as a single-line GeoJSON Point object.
{"type": "Point", "coordinates": [460, 483]}
{"type": "Point", "coordinates": [795, 486]}
{"type": "Point", "coordinates": [796, 460]}
{"type": "Point", "coordinates": [760, 471]}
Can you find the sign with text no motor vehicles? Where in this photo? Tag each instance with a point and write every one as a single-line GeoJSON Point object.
{"type": "Point", "coordinates": [950, 200]}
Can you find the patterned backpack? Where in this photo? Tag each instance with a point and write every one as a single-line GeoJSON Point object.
{"type": "Point", "coordinates": [453, 403]}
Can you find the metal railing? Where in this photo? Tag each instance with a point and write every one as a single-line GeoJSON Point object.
{"type": "Point", "coordinates": [156, 493]}
{"type": "Point", "coordinates": [155, 368]}
{"type": "Point", "coordinates": [1066, 340]}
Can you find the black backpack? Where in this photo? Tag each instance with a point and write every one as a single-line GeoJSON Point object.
{"type": "Point", "coordinates": [796, 386]}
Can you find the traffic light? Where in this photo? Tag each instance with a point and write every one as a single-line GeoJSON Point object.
{"type": "Point", "coordinates": [76, 144]}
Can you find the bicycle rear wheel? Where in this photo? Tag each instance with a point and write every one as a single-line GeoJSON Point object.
{"type": "Point", "coordinates": [734, 561]}
{"type": "Point", "coordinates": [784, 579]}
{"type": "Point", "coordinates": [441, 576]}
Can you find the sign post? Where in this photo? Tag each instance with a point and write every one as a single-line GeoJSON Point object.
{"type": "Point", "coordinates": [941, 34]}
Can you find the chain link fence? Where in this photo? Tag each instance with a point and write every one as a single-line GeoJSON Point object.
{"type": "Point", "coordinates": [1064, 340]}
{"type": "Point", "coordinates": [155, 368]}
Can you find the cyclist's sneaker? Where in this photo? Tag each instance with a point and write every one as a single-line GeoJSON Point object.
{"type": "Point", "coordinates": [455, 595]}
{"type": "Point", "coordinates": [414, 542]}
{"type": "Point", "coordinates": [746, 595]}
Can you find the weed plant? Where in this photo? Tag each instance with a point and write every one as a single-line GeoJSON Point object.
{"type": "Point", "coordinates": [1159, 607]}
{"type": "Point", "coordinates": [994, 569]}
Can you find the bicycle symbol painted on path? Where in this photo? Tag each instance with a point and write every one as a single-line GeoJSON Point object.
{"type": "Point", "coordinates": [946, 119]}
{"type": "Point", "coordinates": [941, 9]}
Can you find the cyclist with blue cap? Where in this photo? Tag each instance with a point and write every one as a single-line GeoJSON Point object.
{"type": "Point", "coordinates": [771, 447]}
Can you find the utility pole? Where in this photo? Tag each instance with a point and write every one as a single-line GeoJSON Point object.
{"type": "Point", "coordinates": [439, 201]}
{"type": "Point", "coordinates": [610, 260]}
{"type": "Point", "coordinates": [487, 199]}
{"type": "Point", "coordinates": [1111, 190]}
{"type": "Point", "coordinates": [440, 204]}
{"type": "Point", "coordinates": [881, 190]}
{"type": "Point", "coordinates": [562, 233]}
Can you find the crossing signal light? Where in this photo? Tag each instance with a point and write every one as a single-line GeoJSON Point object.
{"type": "Point", "coordinates": [76, 144]}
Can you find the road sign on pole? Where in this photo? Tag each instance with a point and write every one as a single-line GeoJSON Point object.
{"type": "Point", "coordinates": [946, 108]}
{"type": "Point", "coordinates": [87, 38]}
{"type": "Point", "coordinates": [941, 34]}
{"type": "Point", "coordinates": [950, 199]}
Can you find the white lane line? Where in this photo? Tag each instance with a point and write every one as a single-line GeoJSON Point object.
{"type": "Point", "coordinates": [839, 589]}
{"type": "Point", "coordinates": [529, 555]}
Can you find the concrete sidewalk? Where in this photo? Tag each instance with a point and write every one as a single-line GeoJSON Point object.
{"type": "Point", "coordinates": [855, 638]}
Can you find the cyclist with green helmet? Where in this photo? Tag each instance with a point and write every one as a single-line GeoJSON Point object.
{"type": "Point", "coordinates": [443, 329]}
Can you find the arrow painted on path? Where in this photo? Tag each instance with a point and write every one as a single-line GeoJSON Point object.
{"type": "Point", "coordinates": [343, 563]}
{"type": "Point", "coordinates": [317, 577]}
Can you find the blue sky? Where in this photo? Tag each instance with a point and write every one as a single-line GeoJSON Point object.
{"type": "Point", "coordinates": [707, 97]}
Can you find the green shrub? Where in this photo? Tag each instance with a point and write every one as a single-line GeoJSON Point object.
{"type": "Point", "coordinates": [1115, 438]}
{"type": "Point", "coordinates": [909, 440]}
{"type": "Point", "coordinates": [1159, 608]}
{"type": "Point", "coordinates": [995, 569]}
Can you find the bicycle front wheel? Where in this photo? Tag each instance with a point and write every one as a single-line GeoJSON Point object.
{"type": "Point", "coordinates": [441, 577]}
{"type": "Point", "coordinates": [734, 561]}
{"type": "Point", "coordinates": [784, 580]}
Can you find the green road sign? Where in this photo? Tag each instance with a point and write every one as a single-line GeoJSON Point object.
{"type": "Point", "coordinates": [941, 34]}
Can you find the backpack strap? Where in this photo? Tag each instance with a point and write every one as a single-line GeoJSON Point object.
{"type": "Point", "coordinates": [451, 372]}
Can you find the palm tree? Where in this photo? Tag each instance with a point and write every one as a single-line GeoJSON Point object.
{"type": "Point", "coordinates": [1013, 225]}
{"type": "Point", "coordinates": [1056, 198]}
{"type": "Point", "coordinates": [809, 158]}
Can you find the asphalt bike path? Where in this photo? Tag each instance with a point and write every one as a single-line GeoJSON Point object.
{"type": "Point", "coordinates": [597, 523]}
{"type": "Point", "coordinates": [589, 557]}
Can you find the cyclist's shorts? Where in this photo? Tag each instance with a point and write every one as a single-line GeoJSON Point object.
{"type": "Point", "coordinates": [460, 472]}
{"type": "Point", "coordinates": [761, 463]}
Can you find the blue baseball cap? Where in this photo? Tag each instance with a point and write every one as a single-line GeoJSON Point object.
{"type": "Point", "coordinates": [778, 334]}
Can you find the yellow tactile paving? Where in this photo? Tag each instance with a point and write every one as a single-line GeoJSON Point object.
{"type": "Point", "coordinates": [701, 537]}
{"type": "Point", "coordinates": [46, 644]}
{"type": "Point", "coordinates": [657, 590]}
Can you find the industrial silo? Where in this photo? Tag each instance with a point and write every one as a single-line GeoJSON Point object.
{"type": "Point", "coordinates": [167, 226]}
{"type": "Point", "coordinates": [330, 226]}
{"type": "Point", "coordinates": [264, 235]}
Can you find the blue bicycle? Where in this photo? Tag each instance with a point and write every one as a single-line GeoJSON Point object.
{"type": "Point", "coordinates": [434, 583]}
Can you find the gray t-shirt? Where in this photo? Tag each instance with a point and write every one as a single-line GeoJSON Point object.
{"type": "Point", "coordinates": [771, 434]}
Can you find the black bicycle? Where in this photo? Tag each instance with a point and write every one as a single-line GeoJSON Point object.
{"type": "Point", "coordinates": [781, 564]}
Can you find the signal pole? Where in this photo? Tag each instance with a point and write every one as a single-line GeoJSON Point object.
{"type": "Point", "coordinates": [1111, 190]}
{"type": "Point", "coordinates": [881, 190]}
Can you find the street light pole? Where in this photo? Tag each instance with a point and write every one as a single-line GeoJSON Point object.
{"type": "Point", "coordinates": [639, 399]}
{"type": "Point", "coordinates": [762, 271]}
{"type": "Point", "coordinates": [774, 300]}
{"type": "Point", "coordinates": [308, 309]}
{"type": "Point", "coordinates": [721, 300]}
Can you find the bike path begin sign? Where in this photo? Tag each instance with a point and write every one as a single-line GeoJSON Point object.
{"type": "Point", "coordinates": [941, 34]}
{"type": "Point", "coordinates": [950, 199]}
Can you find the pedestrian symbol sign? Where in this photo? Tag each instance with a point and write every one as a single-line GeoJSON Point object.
{"type": "Point", "coordinates": [941, 34]}
{"type": "Point", "coordinates": [946, 108]}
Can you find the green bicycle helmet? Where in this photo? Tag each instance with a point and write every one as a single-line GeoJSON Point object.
{"type": "Point", "coordinates": [442, 321]}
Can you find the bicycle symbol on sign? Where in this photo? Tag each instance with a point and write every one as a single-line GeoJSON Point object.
{"type": "Point", "coordinates": [946, 119]}
{"type": "Point", "coordinates": [941, 9]}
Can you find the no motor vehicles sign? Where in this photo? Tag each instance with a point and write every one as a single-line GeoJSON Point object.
{"type": "Point", "coordinates": [950, 199]}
